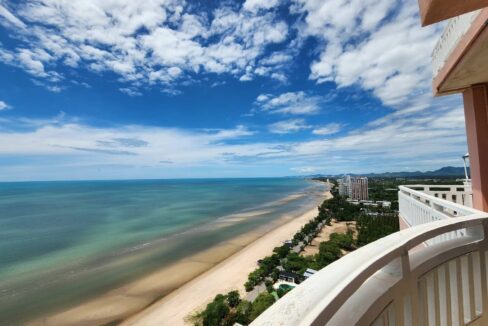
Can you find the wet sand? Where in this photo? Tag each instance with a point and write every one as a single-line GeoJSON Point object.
{"type": "Point", "coordinates": [228, 275]}
{"type": "Point", "coordinates": [221, 268]}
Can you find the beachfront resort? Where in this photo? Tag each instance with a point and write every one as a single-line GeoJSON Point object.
{"type": "Point", "coordinates": [232, 163]}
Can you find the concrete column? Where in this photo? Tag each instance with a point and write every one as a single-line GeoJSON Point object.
{"type": "Point", "coordinates": [476, 114]}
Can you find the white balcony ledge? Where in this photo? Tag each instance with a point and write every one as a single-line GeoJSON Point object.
{"type": "Point", "coordinates": [388, 283]}
{"type": "Point", "coordinates": [459, 58]}
{"type": "Point", "coordinates": [456, 28]}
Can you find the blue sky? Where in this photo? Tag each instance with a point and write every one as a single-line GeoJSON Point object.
{"type": "Point", "coordinates": [98, 89]}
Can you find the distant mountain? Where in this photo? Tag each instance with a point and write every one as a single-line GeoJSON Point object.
{"type": "Point", "coordinates": [447, 171]}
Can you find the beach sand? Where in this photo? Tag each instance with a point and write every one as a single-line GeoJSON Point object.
{"type": "Point", "coordinates": [228, 275]}
{"type": "Point", "coordinates": [186, 285]}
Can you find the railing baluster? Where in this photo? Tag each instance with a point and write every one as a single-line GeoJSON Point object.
{"type": "Point", "coordinates": [436, 297]}
{"type": "Point", "coordinates": [459, 285]}
{"type": "Point", "coordinates": [391, 313]}
{"type": "Point", "coordinates": [478, 300]}
{"type": "Point", "coordinates": [399, 311]}
{"type": "Point", "coordinates": [472, 301]}
{"type": "Point", "coordinates": [484, 283]}
{"type": "Point", "coordinates": [423, 302]}
{"type": "Point", "coordinates": [414, 302]}
{"type": "Point", "coordinates": [447, 280]}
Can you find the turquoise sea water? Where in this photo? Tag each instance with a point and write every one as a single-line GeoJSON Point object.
{"type": "Point", "coordinates": [65, 242]}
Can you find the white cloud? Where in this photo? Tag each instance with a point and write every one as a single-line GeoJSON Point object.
{"type": "Point", "coordinates": [10, 18]}
{"type": "Point", "coordinates": [288, 126]}
{"type": "Point", "coordinates": [69, 138]}
{"type": "Point", "coordinates": [262, 98]}
{"type": "Point", "coordinates": [158, 42]}
{"type": "Point", "coordinates": [378, 45]}
{"type": "Point", "coordinates": [391, 143]}
{"type": "Point", "coordinates": [307, 169]}
{"type": "Point", "coordinates": [254, 5]}
{"type": "Point", "coordinates": [130, 91]}
{"type": "Point", "coordinates": [298, 103]}
{"type": "Point", "coordinates": [4, 106]}
{"type": "Point", "coordinates": [277, 58]}
{"type": "Point", "coordinates": [396, 140]}
{"type": "Point", "coordinates": [329, 129]}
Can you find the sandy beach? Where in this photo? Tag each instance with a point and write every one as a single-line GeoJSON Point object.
{"type": "Point", "coordinates": [167, 296]}
{"type": "Point", "coordinates": [228, 275]}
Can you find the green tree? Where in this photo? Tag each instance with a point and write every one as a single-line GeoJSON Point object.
{"type": "Point", "coordinates": [233, 298]}
{"type": "Point", "coordinates": [260, 304]}
{"type": "Point", "coordinates": [244, 312]}
{"type": "Point", "coordinates": [282, 251]}
{"type": "Point", "coordinates": [343, 240]}
{"type": "Point", "coordinates": [295, 263]}
{"type": "Point", "coordinates": [373, 228]}
{"type": "Point", "coordinates": [249, 286]}
{"type": "Point", "coordinates": [329, 252]}
{"type": "Point", "coordinates": [215, 312]}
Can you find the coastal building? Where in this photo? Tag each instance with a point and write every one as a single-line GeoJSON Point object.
{"type": "Point", "coordinates": [433, 272]}
{"type": "Point", "coordinates": [288, 243]}
{"type": "Point", "coordinates": [371, 203]}
{"type": "Point", "coordinates": [355, 188]}
{"type": "Point", "coordinates": [345, 186]}
{"type": "Point", "coordinates": [384, 203]}
{"type": "Point", "coordinates": [289, 277]}
{"type": "Point", "coordinates": [359, 188]}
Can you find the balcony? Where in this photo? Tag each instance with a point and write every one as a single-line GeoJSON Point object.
{"type": "Point", "coordinates": [459, 58]}
{"type": "Point", "coordinates": [456, 28]}
{"type": "Point", "coordinates": [432, 273]}
{"type": "Point", "coordinates": [421, 204]}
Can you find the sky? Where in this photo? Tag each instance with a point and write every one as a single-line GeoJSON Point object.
{"type": "Point", "coordinates": [123, 89]}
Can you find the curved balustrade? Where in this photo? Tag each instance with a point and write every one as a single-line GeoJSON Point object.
{"type": "Point", "coordinates": [459, 194]}
{"type": "Point", "coordinates": [387, 283]}
{"type": "Point", "coordinates": [428, 204]}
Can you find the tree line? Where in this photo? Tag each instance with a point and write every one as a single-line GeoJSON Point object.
{"type": "Point", "coordinates": [230, 308]}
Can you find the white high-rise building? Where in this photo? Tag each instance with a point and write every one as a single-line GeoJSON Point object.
{"type": "Point", "coordinates": [359, 188]}
{"type": "Point", "coordinates": [345, 186]}
{"type": "Point", "coordinates": [355, 188]}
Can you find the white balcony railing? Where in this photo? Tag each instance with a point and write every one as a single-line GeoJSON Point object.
{"type": "Point", "coordinates": [388, 282]}
{"type": "Point", "coordinates": [459, 194]}
{"type": "Point", "coordinates": [421, 204]}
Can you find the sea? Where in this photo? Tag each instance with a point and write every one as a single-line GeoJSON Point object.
{"type": "Point", "coordinates": [62, 243]}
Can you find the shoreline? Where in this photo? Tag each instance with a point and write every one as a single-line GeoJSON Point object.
{"type": "Point", "coordinates": [230, 274]}
{"type": "Point", "coordinates": [136, 297]}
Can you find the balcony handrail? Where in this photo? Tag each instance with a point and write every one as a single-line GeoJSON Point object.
{"type": "Point", "coordinates": [435, 186]}
{"type": "Point", "coordinates": [316, 300]}
{"type": "Point", "coordinates": [464, 210]}
{"type": "Point", "coordinates": [440, 188]}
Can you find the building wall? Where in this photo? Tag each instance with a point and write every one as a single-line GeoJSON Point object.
{"type": "Point", "coordinates": [355, 188]}
{"type": "Point", "coordinates": [345, 186]}
{"type": "Point", "coordinates": [359, 188]}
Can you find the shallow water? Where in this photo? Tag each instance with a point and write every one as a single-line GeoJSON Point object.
{"type": "Point", "coordinates": [64, 242]}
